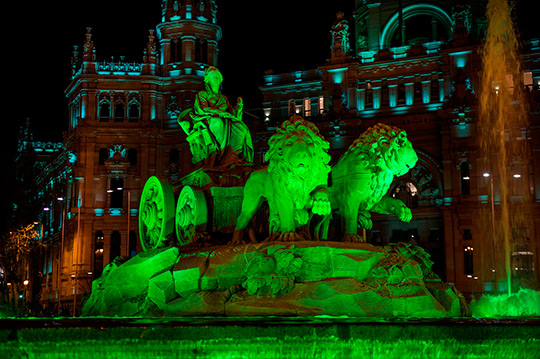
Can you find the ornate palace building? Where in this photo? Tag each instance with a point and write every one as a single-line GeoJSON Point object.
{"type": "Point", "coordinates": [413, 66]}
{"type": "Point", "coordinates": [418, 67]}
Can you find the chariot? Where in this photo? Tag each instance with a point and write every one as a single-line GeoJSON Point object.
{"type": "Point", "coordinates": [207, 201]}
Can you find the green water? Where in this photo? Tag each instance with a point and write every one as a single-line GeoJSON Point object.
{"type": "Point", "coordinates": [268, 338]}
{"type": "Point", "coordinates": [524, 303]}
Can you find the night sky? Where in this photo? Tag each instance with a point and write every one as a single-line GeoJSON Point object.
{"type": "Point", "coordinates": [37, 45]}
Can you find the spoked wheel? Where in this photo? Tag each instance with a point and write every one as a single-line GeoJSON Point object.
{"type": "Point", "coordinates": [191, 212]}
{"type": "Point", "coordinates": [156, 213]}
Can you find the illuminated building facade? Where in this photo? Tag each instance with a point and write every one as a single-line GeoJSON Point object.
{"type": "Point", "coordinates": [415, 67]}
{"type": "Point", "coordinates": [120, 133]}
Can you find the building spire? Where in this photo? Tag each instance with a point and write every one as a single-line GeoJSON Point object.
{"type": "Point", "coordinates": [89, 53]}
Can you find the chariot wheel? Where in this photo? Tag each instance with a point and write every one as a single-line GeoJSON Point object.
{"type": "Point", "coordinates": [156, 213]}
{"type": "Point", "coordinates": [191, 212]}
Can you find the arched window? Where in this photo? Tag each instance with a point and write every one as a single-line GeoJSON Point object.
{"type": "Point", "coordinates": [407, 193]}
{"type": "Point", "coordinates": [116, 243]}
{"type": "Point", "coordinates": [104, 111]}
{"type": "Point", "coordinates": [421, 22]}
{"type": "Point", "coordinates": [98, 254]}
{"type": "Point", "coordinates": [134, 112]}
{"type": "Point", "coordinates": [119, 112]}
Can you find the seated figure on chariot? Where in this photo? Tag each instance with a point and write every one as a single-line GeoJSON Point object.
{"type": "Point", "coordinates": [215, 131]}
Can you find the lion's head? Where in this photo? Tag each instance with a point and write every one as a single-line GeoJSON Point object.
{"type": "Point", "coordinates": [385, 146]}
{"type": "Point", "coordinates": [298, 148]}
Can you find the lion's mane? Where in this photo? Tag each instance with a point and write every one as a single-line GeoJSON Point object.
{"type": "Point", "coordinates": [294, 185]}
{"type": "Point", "coordinates": [320, 157]}
{"type": "Point", "coordinates": [373, 147]}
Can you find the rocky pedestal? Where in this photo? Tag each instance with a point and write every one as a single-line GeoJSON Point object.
{"type": "Point", "coordinates": [292, 279]}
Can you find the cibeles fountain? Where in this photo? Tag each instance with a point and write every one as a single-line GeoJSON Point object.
{"type": "Point", "coordinates": [234, 239]}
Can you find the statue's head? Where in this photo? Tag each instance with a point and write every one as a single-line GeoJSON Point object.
{"type": "Point", "coordinates": [212, 77]}
{"type": "Point", "coordinates": [299, 146]}
{"type": "Point", "coordinates": [386, 146]}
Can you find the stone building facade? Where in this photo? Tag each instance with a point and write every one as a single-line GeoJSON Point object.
{"type": "Point", "coordinates": [122, 130]}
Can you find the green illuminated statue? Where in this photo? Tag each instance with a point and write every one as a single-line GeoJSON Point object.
{"type": "Point", "coordinates": [362, 176]}
{"type": "Point", "coordinates": [294, 183]}
{"type": "Point", "coordinates": [216, 133]}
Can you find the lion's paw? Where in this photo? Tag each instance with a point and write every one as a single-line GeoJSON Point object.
{"type": "Point", "coordinates": [291, 236]}
{"type": "Point", "coordinates": [404, 214]}
{"type": "Point", "coordinates": [354, 238]}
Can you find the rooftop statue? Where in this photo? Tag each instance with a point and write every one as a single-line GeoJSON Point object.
{"type": "Point", "coordinates": [216, 134]}
{"type": "Point", "coordinates": [362, 176]}
{"type": "Point", "coordinates": [294, 183]}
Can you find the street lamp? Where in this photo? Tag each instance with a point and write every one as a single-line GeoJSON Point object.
{"type": "Point", "coordinates": [128, 190]}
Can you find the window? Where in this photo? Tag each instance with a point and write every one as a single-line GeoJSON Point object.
{"type": "Point", "coordinates": [116, 243]}
{"type": "Point", "coordinates": [417, 91]}
{"type": "Point", "coordinates": [134, 112]}
{"type": "Point", "coordinates": [401, 94]}
{"type": "Point", "coordinates": [435, 90]}
{"type": "Point", "coordinates": [104, 112]}
{"type": "Point", "coordinates": [103, 156]}
{"type": "Point", "coordinates": [132, 156]}
{"type": "Point", "coordinates": [467, 236]}
{"type": "Point", "coordinates": [292, 107]}
{"type": "Point", "coordinates": [176, 50]}
{"type": "Point", "coordinates": [98, 254]}
{"type": "Point", "coordinates": [465, 179]}
{"type": "Point", "coordinates": [407, 193]}
{"type": "Point", "coordinates": [174, 155]}
{"type": "Point", "coordinates": [201, 51]}
{"type": "Point", "coordinates": [320, 105]}
{"type": "Point", "coordinates": [119, 112]}
{"type": "Point", "coordinates": [307, 107]}
{"type": "Point", "coordinates": [434, 235]}
{"type": "Point", "coordinates": [117, 193]}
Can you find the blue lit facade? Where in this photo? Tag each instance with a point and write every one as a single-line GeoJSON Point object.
{"type": "Point", "coordinates": [417, 67]}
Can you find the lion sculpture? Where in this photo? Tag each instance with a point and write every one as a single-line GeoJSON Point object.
{"type": "Point", "coordinates": [362, 176]}
{"type": "Point", "coordinates": [294, 183]}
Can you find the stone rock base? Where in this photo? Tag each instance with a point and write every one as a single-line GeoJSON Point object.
{"type": "Point", "coordinates": [277, 279]}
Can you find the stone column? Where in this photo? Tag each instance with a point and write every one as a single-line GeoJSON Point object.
{"type": "Point", "coordinates": [392, 95]}
{"type": "Point", "coordinates": [376, 97]}
{"type": "Point", "coordinates": [426, 91]}
{"type": "Point", "coordinates": [361, 99]}
{"type": "Point", "coordinates": [409, 93]}
{"type": "Point", "coordinates": [441, 90]}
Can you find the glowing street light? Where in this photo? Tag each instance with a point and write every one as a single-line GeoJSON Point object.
{"type": "Point", "coordinates": [26, 282]}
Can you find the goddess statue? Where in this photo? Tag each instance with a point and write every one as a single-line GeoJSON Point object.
{"type": "Point", "coordinates": [216, 133]}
